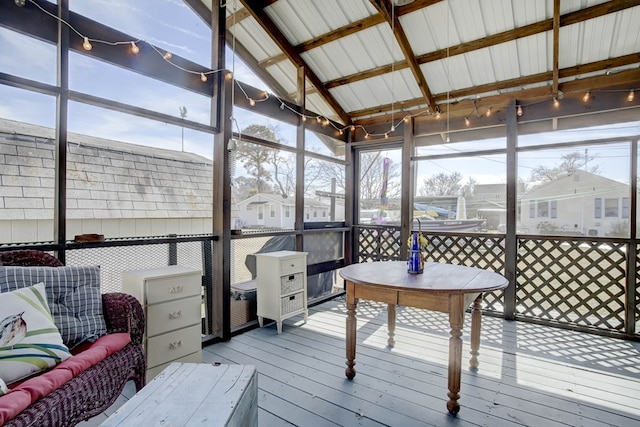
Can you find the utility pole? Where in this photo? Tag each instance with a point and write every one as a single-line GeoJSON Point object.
{"type": "Point", "coordinates": [183, 114]}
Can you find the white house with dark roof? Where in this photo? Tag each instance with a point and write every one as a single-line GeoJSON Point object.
{"type": "Point", "coordinates": [264, 210]}
{"type": "Point", "coordinates": [582, 203]}
{"type": "Point", "coordinates": [113, 188]}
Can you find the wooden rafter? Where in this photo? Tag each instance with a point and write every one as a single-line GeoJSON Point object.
{"type": "Point", "coordinates": [556, 45]}
{"type": "Point", "coordinates": [520, 82]}
{"type": "Point", "coordinates": [386, 9]}
{"type": "Point", "coordinates": [256, 8]}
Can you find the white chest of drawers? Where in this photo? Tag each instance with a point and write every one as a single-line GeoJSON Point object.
{"type": "Point", "coordinates": [281, 281]}
{"type": "Point", "coordinates": [171, 298]}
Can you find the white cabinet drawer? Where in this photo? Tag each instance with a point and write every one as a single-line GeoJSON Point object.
{"type": "Point", "coordinates": [173, 345]}
{"type": "Point", "coordinates": [172, 315]}
{"type": "Point", "coordinates": [292, 265]}
{"type": "Point", "coordinates": [292, 303]}
{"type": "Point", "coordinates": [291, 283]}
{"type": "Point", "coordinates": [169, 288]}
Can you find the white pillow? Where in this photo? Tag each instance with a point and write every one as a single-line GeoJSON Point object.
{"type": "Point", "coordinates": [29, 339]}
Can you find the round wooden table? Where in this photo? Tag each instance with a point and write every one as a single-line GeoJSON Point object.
{"type": "Point", "coordinates": [446, 288]}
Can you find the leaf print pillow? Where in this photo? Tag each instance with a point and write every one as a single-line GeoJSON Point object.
{"type": "Point", "coordinates": [29, 339]}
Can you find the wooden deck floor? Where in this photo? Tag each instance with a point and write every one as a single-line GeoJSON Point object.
{"type": "Point", "coordinates": [529, 374]}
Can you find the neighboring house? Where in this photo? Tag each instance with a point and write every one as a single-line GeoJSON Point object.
{"type": "Point", "coordinates": [582, 203]}
{"type": "Point", "coordinates": [113, 188]}
{"type": "Point", "coordinates": [490, 202]}
{"type": "Point", "coordinates": [265, 210]}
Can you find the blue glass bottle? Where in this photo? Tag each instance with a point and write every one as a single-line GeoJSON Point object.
{"type": "Point", "coordinates": [414, 263]}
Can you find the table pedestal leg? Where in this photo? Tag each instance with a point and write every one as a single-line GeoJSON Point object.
{"type": "Point", "coordinates": [476, 323]}
{"type": "Point", "coordinates": [391, 321]}
{"type": "Point", "coordinates": [456, 320]}
{"type": "Point", "coordinates": [350, 372]}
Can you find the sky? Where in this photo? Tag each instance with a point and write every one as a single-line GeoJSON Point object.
{"type": "Point", "coordinates": [171, 25]}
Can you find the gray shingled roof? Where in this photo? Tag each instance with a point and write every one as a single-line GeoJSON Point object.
{"type": "Point", "coordinates": [105, 179]}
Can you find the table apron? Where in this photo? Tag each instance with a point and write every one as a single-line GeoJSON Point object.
{"type": "Point", "coordinates": [429, 301]}
{"type": "Point", "coordinates": [375, 293]}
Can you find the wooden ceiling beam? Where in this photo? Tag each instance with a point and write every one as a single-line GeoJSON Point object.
{"type": "Point", "coordinates": [556, 45]}
{"type": "Point", "coordinates": [386, 9]}
{"type": "Point", "coordinates": [517, 85]}
{"type": "Point", "coordinates": [237, 17]}
{"type": "Point", "coordinates": [256, 8]}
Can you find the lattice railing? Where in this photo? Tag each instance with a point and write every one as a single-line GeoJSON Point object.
{"type": "Point", "coordinates": [570, 281]}
{"type": "Point", "coordinates": [378, 243]}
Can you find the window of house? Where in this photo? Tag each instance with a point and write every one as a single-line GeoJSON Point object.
{"type": "Point", "coordinates": [625, 207]}
{"type": "Point", "coordinates": [543, 209]}
{"type": "Point", "coordinates": [272, 211]}
{"type": "Point", "coordinates": [598, 208]}
{"type": "Point", "coordinates": [315, 214]}
{"type": "Point", "coordinates": [287, 211]}
{"type": "Point", "coordinates": [611, 208]}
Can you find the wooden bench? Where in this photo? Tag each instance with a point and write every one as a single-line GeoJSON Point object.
{"type": "Point", "coordinates": [194, 394]}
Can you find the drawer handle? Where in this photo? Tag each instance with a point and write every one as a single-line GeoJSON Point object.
{"type": "Point", "coordinates": [292, 297]}
{"type": "Point", "coordinates": [175, 314]}
{"type": "Point", "coordinates": [175, 344]}
{"type": "Point", "coordinates": [292, 277]}
{"type": "Point", "coordinates": [176, 289]}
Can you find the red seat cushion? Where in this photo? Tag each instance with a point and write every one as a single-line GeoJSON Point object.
{"type": "Point", "coordinates": [24, 393]}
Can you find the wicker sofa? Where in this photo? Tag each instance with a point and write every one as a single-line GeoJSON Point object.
{"type": "Point", "coordinates": [93, 388]}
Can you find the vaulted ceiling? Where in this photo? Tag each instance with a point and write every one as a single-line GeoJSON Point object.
{"type": "Point", "coordinates": [374, 62]}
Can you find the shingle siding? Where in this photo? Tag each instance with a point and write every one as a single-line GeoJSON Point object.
{"type": "Point", "coordinates": [105, 180]}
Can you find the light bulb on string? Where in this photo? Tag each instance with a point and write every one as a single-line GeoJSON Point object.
{"type": "Point", "coordinates": [519, 111]}
{"type": "Point", "coordinates": [203, 77]}
{"type": "Point", "coordinates": [167, 55]}
{"type": "Point", "coordinates": [586, 97]}
{"type": "Point", "coordinates": [304, 118]}
{"type": "Point", "coordinates": [406, 119]}
{"type": "Point", "coordinates": [386, 136]}
{"type": "Point", "coordinates": [631, 96]}
{"type": "Point", "coordinates": [447, 139]}
{"type": "Point", "coordinates": [438, 115]}
{"type": "Point", "coordinates": [488, 113]}
{"type": "Point", "coordinates": [556, 103]}
{"type": "Point", "coordinates": [467, 122]}
{"type": "Point", "coordinates": [252, 102]}
{"type": "Point", "coordinates": [86, 44]}
{"type": "Point", "coordinates": [228, 75]}
{"type": "Point", "coordinates": [318, 119]}
{"type": "Point", "coordinates": [353, 128]}
{"type": "Point", "coordinates": [134, 48]}
{"type": "Point", "coordinates": [393, 128]}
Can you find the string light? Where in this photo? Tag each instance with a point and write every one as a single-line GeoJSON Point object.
{"type": "Point", "coordinates": [467, 122]}
{"type": "Point", "coordinates": [229, 75]}
{"type": "Point", "coordinates": [86, 44]}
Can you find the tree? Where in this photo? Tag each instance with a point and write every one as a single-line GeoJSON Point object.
{"type": "Point", "coordinates": [570, 163]}
{"type": "Point", "coordinates": [443, 184]}
{"type": "Point", "coordinates": [265, 164]}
